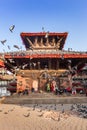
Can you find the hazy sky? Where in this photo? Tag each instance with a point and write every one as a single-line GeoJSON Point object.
{"type": "Point", "coordinates": [54, 15]}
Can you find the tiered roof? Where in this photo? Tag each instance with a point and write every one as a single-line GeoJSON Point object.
{"type": "Point", "coordinates": [44, 40]}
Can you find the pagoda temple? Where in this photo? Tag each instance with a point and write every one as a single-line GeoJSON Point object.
{"type": "Point", "coordinates": [44, 59]}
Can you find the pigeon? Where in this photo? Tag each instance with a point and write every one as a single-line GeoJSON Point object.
{"type": "Point", "coordinates": [8, 47]}
{"type": "Point", "coordinates": [5, 112]}
{"type": "Point", "coordinates": [16, 46]}
{"type": "Point", "coordinates": [40, 110]}
{"type": "Point", "coordinates": [34, 64]}
{"type": "Point", "coordinates": [58, 118]}
{"type": "Point", "coordinates": [12, 28]}
{"type": "Point", "coordinates": [25, 65]}
{"type": "Point", "coordinates": [41, 115]}
{"type": "Point", "coordinates": [0, 110]}
{"type": "Point", "coordinates": [69, 61]}
{"type": "Point", "coordinates": [63, 110]}
{"type": "Point", "coordinates": [43, 29]}
{"type": "Point", "coordinates": [33, 108]}
{"type": "Point", "coordinates": [62, 104]}
{"type": "Point", "coordinates": [3, 51]}
{"type": "Point", "coordinates": [3, 41]}
{"type": "Point", "coordinates": [47, 33]}
{"type": "Point", "coordinates": [72, 107]}
{"type": "Point", "coordinates": [27, 115]}
{"type": "Point", "coordinates": [11, 60]}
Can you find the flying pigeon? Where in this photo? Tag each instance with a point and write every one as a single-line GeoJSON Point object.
{"type": "Point", "coordinates": [3, 41]}
{"type": "Point", "coordinates": [25, 65]}
{"type": "Point", "coordinates": [47, 33]}
{"type": "Point", "coordinates": [43, 29]}
{"type": "Point", "coordinates": [12, 28]}
{"type": "Point", "coordinates": [8, 47]}
{"type": "Point", "coordinates": [16, 46]}
{"type": "Point", "coordinates": [69, 61]}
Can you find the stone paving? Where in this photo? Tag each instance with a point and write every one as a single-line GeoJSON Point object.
{"type": "Point", "coordinates": [42, 111]}
{"type": "Point", "coordinates": [45, 98]}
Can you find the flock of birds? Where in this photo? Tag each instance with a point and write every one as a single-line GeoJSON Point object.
{"type": "Point", "coordinates": [77, 109]}
{"type": "Point", "coordinates": [82, 111]}
{"type": "Point", "coordinates": [11, 29]}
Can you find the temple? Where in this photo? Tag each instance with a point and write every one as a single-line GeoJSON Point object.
{"type": "Point", "coordinates": [44, 60]}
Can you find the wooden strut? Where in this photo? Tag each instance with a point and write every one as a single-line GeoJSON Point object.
{"type": "Point", "coordinates": [30, 42]}
{"type": "Point", "coordinates": [58, 43]}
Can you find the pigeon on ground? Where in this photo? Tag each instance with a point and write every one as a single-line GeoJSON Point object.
{"type": "Point", "coordinates": [40, 110]}
{"type": "Point", "coordinates": [63, 110]}
{"type": "Point", "coordinates": [5, 112]}
{"type": "Point", "coordinates": [0, 110]}
{"type": "Point", "coordinates": [27, 115]}
{"type": "Point", "coordinates": [41, 115]}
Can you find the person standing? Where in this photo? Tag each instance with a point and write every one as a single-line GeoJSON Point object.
{"type": "Point", "coordinates": [48, 87]}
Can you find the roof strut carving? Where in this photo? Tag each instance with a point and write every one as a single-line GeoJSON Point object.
{"type": "Point", "coordinates": [30, 42]}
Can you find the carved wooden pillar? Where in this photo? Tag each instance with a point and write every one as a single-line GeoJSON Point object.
{"type": "Point", "coordinates": [49, 64]}
{"type": "Point", "coordinates": [57, 64]}
{"type": "Point", "coordinates": [38, 65]}
{"type": "Point", "coordinates": [17, 63]}
{"type": "Point", "coordinates": [30, 67]}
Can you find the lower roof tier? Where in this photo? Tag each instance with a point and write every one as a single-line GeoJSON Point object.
{"type": "Point", "coordinates": [45, 54]}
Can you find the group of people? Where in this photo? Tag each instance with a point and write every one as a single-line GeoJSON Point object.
{"type": "Point", "coordinates": [53, 87]}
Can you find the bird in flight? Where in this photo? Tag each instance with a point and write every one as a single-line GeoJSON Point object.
{"type": "Point", "coordinates": [12, 28]}
{"type": "Point", "coordinates": [8, 47]}
{"type": "Point", "coordinates": [43, 29]}
{"type": "Point", "coordinates": [16, 46]}
{"type": "Point", "coordinates": [3, 41]}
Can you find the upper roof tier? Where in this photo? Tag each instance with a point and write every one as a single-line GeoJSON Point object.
{"type": "Point", "coordinates": [44, 40]}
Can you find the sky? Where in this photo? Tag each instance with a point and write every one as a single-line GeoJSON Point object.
{"type": "Point", "coordinates": [54, 15]}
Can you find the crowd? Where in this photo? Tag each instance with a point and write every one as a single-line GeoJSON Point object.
{"type": "Point", "coordinates": [54, 87]}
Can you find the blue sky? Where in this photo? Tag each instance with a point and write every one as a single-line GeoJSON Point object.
{"type": "Point", "coordinates": [54, 15]}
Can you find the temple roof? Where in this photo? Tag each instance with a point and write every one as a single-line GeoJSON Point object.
{"type": "Point", "coordinates": [44, 40]}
